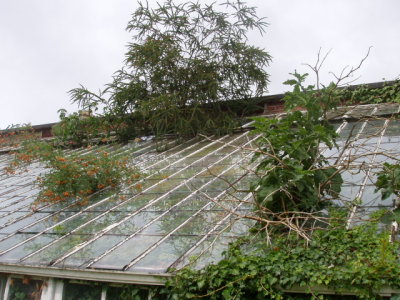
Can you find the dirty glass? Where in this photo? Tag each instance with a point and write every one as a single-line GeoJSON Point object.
{"type": "Point", "coordinates": [91, 251]}
{"type": "Point", "coordinates": [188, 202]}
{"type": "Point", "coordinates": [74, 291]}
{"type": "Point", "coordinates": [25, 289]}
{"type": "Point", "coordinates": [161, 257]}
{"type": "Point", "coordinates": [125, 253]}
{"type": "Point", "coordinates": [127, 292]}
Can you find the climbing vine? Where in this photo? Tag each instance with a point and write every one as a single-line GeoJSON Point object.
{"type": "Point", "coordinates": [301, 241]}
{"type": "Point", "coordinates": [293, 174]}
{"type": "Point", "coordinates": [360, 260]}
{"type": "Point", "coordinates": [389, 92]}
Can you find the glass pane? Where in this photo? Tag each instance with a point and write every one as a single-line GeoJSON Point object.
{"type": "Point", "coordinates": [9, 242]}
{"type": "Point", "coordinates": [25, 289]}
{"type": "Point", "coordinates": [134, 223]}
{"type": "Point", "coordinates": [73, 223]}
{"type": "Point", "coordinates": [61, 247]}
{"type": "Point", "coordinates": [127, 292]}
{"type": "Point", "coordinates": [31, 246]}
{"type": "Point", "coordinates": [102, 222]}
{"type": "Point", "coordinates": [168, 222]}
{"type": "Point", "coordinates": [210, 251]}
{"type": "Point", "coordinates": [135, 203]}
{"type": "Point", "coordinates": [73, 291]}
{"type": "Point", "coordinates": [202, 223]}
{"type": "Point", "coordinates": [165, 254]}
{"type": "Point", "coordinates": [127, 252]}
{"type": "Point", "coordinates": [167, 202]}
{"type": "Point", "coordinates": [10, 218]}
{"type": "Point", "coordinates": [48, 222]}
{"type": "Point", "coordinates": [91, 251]}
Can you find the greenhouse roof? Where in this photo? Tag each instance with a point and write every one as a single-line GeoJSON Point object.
{"type": "Point", "coordinates": [190, 203]}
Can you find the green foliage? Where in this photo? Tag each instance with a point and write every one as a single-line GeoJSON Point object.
{"type": "Point", "coordinates": [76, 130]}
{"type": "Point", "coordinates": [25, 288]}
{"type": "Point", "coordinates": [14, 135]}
{"type": "Point", "coordinates": [127, 292]}
{"type": "Point", "coordinates": [73, 175]}
{"type": "Point", "coordinates": [293, 175]}
{"type": "Point", "coordinates": [358, 260]}
{"type": "Point", "coordinates": [87, 291]}
{"type": "Point", "coordinates": [390, 92]}
{"type": "Point", "coordinates": [186, 62]}
{"type": "Point", "coordinates": [388, 181]}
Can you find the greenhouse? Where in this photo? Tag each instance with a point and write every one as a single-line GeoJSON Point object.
{"type": "Point", "coordinates": [185, 210]}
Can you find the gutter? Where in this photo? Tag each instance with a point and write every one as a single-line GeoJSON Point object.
{"type": "Point", "coordinates": [85, 274]}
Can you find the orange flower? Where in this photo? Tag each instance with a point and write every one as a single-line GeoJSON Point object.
{"type": "Point", "coordinates": [66, 194]}
{"type": "Point", "coordinates": [91, 172]}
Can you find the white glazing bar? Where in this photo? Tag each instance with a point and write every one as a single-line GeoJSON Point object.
{"type": "Point", "coordinates": [59, 289]}
{"type": "Point", "coordinates": [16, 188]}
{"type": "Point", "coordinates": [143, 255]}
{"type": "Point", "coordinates": [74, 203]}
{"type": "Point", "coordinates": [167, 211]}
{"type": "Point", "coordinates": [338, 130]}
{"type": "Point", "coordinates": [152, 145]}
{"type": "Point", "coordinates": [212, 230]}
{"type": "Point", "coordinates": [104, 231]}
{"type": "Point", "coordinates": [48, 291]}
{"type": "Point", "coordinates": [361, 191]}
{"type": "Point", "coordinates": [347, 150]}
{"type": "Point", "coordinates": [129, 199]}
{"type": "Point", "coordinates": [103, 293]}
{"type": "Point", "coordinates": [7, 289]}
{"type": "Point", "coordinates": [176, 154]}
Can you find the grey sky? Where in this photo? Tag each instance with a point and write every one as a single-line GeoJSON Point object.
{"type": "Point", "coordinates": [48, 47]}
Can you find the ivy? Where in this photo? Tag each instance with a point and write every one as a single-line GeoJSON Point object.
{"type": "Point", "coordinates": [388, 181]}
{"type": "Point", "coordinates": [296, 180]}
{"type": "Point", "coordinates": [359, 260]}
{"type": "Point", "coordinates": [389, 92]}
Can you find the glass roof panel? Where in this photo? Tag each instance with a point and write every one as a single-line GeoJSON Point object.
{"type": "Point", "coordinates": [60, 247]}
{"type": "Point", "coordinates": [102, 222]}
{"type": "Point", "coordinates": [7, 243]}
{"type": "Point", "coordinates": [184, 202]}
{"type": "Point", "coordinates": [165, 254]}
{"type": "Point", "coordinates": [210, 251]}
{"type": "Point", "coordinates": [91, 251]}
{"type": "Point", "coordinates": [23, 222]}
{"type": "Point", "coordinates": [74, 222]}
{"type": "Point", "coordinates": [134, 223]}
{"type": "Point", "coordinates": [14, 255]}
{"type": "Point", "coordinates": [168, 222]}
{"type": "Point", "coordinates": [202, 223]}
{"type": "Point", "coordinates": [124, 254]}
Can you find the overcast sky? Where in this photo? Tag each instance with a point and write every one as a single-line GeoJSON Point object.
{"type": "Point", "coordinates": [48, 47]}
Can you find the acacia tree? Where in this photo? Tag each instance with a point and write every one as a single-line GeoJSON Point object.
{"type": "Point", "coordinates": [185, 62]}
